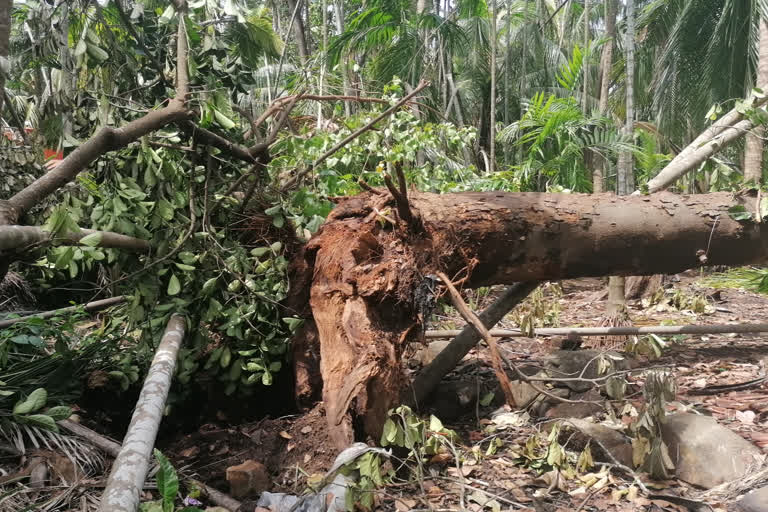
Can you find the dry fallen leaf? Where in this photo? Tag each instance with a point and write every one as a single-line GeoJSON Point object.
{"type": "Point", "coordinates": [285, 435]}
{"type": "Point", "coordinates": [441, 458]}
{"type": "Point", "coordinates": [306, 430]}
{"type": "Point", "coordinates": [190, 452]}
{"type": "Point", "coordinates": [404, 504]}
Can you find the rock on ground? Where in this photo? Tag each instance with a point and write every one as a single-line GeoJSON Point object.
{"type": "Point", "coordinates": [755, 501]}
{"type": "Point", "coordinates": [247, 479]}
{"type": "Point", "coordinates": [706, 453]}
{"type": "Point", "coordinates": [617, 444]}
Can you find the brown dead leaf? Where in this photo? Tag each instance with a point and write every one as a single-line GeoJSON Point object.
{"type": "Point", "coordinates": [307, 458]}
{"type": "Point", "coordinates": [404, 504]}
{"type": "Point", "coordinates": [290, 447]}
{"type": "Point", "coordinates": [434, 492]}
{"type": "Point", "coordinates": [190, 452]}
{"type": "Point", "coordinates": [465, 471]}
{"type": "Point", "coordinates": [441, 458]}
{"type": "Point", "coordinates": [306, 430]}
{"type": "Point", "coordinates": [285, 435]}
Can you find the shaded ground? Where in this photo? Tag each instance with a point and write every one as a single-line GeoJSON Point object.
{"type": "Point", "coordinates": [295, 448]}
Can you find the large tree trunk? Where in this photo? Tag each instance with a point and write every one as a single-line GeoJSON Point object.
{"type": "Point", "coordinates": [753, 149]}
{"type": "Point", "coordinates": [369, 276]}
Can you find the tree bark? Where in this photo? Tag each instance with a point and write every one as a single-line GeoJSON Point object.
{"type": "Point", "coordinates": [753, 149]}
{"type": "Point", "coordinates": [606, 62]}
{"type": "Point", "coordinates": [5, 35]}
{"type": "Point", "coordinates": [366, 270]}
{"type": "Point", "coordinates": [131, 465]}
{"type": "Point", "coordinates": [492, 115]}
{"type": "Point", "coordinates": [299, 32]}
{"type": "Point", "coordinates": [14, 237]}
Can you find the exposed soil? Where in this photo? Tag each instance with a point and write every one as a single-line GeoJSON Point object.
{"type": "Point", "coordinates": [295, 447]}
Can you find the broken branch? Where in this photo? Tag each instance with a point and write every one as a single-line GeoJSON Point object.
{"type": "Point", "coordinates": [14, 237]}
{"type": "Point", "coordinates": [466, 339]}
{"type": "Point", "coordinates": [472, 319]}
{"type": "Point", "coordinates": [96, 305]}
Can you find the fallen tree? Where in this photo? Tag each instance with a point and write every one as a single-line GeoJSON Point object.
{"type": "Point", "coordinates": [371, 264]}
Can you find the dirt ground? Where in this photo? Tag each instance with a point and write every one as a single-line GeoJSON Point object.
{"type": "Point", "coordinates": [296, 448]}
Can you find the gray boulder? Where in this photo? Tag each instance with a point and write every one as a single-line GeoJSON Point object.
{"type": "Point", "coordinates": [706, 453]}
{"type": "Point", "coordinates": [754, 501]}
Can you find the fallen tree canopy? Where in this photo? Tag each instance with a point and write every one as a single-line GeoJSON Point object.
{"type": "Point", "coordinates": [371, 286]}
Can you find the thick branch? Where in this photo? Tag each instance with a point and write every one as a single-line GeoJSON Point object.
{"type": "Point", "coordinates": [464, 341]}
{"type": "Point", "coordinates": [472, 319]}
{"type": "Point", "coordinates": [207, 137]}
{"type": "Point", "coordinates": [14, 237]}
{"type": "Point", "coordinates": [96, 305]}
{"type": "Point", "coordinates": [108, 138]}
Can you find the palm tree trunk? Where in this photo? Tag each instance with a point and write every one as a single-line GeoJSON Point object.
{"type": "Point", "coordinates": [753, 149]}
{"type": "Point", "coordinates": [606, 61]}
{"type": "Point", "coordinates": [338, 17]}
{"type": "Point", "coordinates": [299, 33]}
{"type": "Point", "coordinates": [5, 34]}
{"type": "Point", "coordinates": [584, 66]}
{"type": "Point", "coordinates": [617, 309]}
{"type": "Point", "coordinates": [492, 118]}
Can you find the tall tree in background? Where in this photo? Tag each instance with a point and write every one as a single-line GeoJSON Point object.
{"type": "Point", "coordinates": [492, 116]}
{"type": "Point", "coordinates": [5, 34]}
{"type": "Point", "coordinates": [617, 309]}
{"type": "Point", "coordinates": [299, 30]}
{"type": "Point", "coordinates": [753, 148]}
{"type": "Point", "coordinates": [606, 62]}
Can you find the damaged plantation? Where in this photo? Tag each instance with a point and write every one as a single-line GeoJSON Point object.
{"type": "Point", "coordinates": [382, 255]}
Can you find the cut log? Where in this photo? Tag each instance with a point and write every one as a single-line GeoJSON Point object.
{"type": "Point", "coordinates": [366, 270]}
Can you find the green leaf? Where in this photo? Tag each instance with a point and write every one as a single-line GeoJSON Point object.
{"type": "Point", "coordinates": [92, 240]}
{"type": "Point", "coordinates": [174, 286]}
{"type": "Point", "coordinates": [223, 120]}
{"type": "Point", "coordinates": [739, 213]}
{"type": "Point", "coordinates": [209, 284]}
{"type": "Point", "coordinates": [435, 425]}
{"type": "Point", "coordinates": [167, 481]}
{"type": "Point", "coordinates": [167, 15]}
{"type": "Point", "coordinates": [186, 268]}
{"type": "Point", "coordinates": [276, 246]}
{"type": "Point", "coordinates": [293, 323]}
{"type": "Point", "coordinates": [278, 221]}
{"type": "Point", "coordinates": [259, 251]}
{"type": "Point", "coordinates": [60, 412]}
{"type": "Point", "coordinates": [40, 421]}
{"type": "Point", "coordinates": [35, 401]}
{"type": "Point", "coordinates": [487, 399]}
{"type": "Point", "coordinates": [389, 433]}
